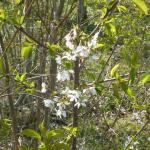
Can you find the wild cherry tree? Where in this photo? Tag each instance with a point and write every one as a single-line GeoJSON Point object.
{"type": "Point", "coordinates": [74, 74]}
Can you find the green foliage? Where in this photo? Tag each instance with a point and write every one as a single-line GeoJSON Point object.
{"type": "Point", "coordinates": [26, 50]}
{"type": "Point", "coordinates": [24, 84]}
{"type": "Point", "coordinates": [2, 15]}
{"type": "Point", "coordinates": [56, 139]}
{"type": "Point", "coordinates": [142, 5]}
{"type": "Point", "coordinates": [113, 70]}
{"type": "Point", "coordinates": [31, 133]}
{"type": "Point", "coordinates": [18, 1]}
{"type": "Point", "coordinates": [5, 129]}
{"type": "Point", "coordinates": [145, 78]}
{"type": "Point", "coordinates": [53, 48]}
{"type": "Point", "coordinates": [122, 8]}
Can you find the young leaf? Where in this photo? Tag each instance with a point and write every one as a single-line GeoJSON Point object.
{"type": "Point", "coordinates": [22, 78]}
{"type": "Point", "coordinates": [18, 1]}
{"type": "Point", "coordinates": [26, 51]}
{"type": "Point", "coordinates": [31, 133]}
{"type": "Point", "coordinates": [130, 93]}
{"type": "Point", "coordinates": [142, 5]}
{"type": "Point", "coordinates": [113, 70]}
{"type": "Point", "coordinates": [145, 78]}
{"type": "Point", "coordinates": [2, 15]}
{"type": "Point", "coordinates": [55, 134]}
{"type": "Point", "coordinates": [121, 8]}
{"type": "Point", "coordinates": [42, 129]}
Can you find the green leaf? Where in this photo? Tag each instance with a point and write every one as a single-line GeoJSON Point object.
{"type": "Point", "coordinates": [99, 88]}
{"type": "Point", "coordinates": [126, 89]}
{"type": "Point", "coordinates": [121, 8]}
{"type": "Point", "coordinates": [42, 129]}
{"type": "Point", "coordinates": [31, 133]}
{"type": "Point", "coordinates": [55, 134]}
{"type": "Point", "coordinates": [5, 129]}
{"type": "Point", "coordinates": [103, 12]}
{"type": "Point", "coordinates": [130, 93]}
{"type": "Point", "coordinates": [53, 48]}
{"type": "Point", "coordinates": [132, 75]}
{"type": "Point", "coordinates": [23, 77]}
{"type": "Point", "coordinates": [26, 50]}
{"type": "Point", "coordinates": [17, 77]}
{"type": "Point", "coordinates": [18, 1]}
{"type": "Point", "coordinates": [2, 15]}
{"type": "Point", "coordinates": [113, 70]}
{"type": "Point", "coordinates": [111, 28]}
{"type": "Point", "coordinates": [145, 78]}
{"type": "Point", "coordinates": [142, 5]}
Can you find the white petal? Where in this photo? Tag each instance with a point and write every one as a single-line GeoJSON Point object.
{"type": "Point", "coordinates": [58, 60]}
{"type": "Point", "coordinates": [48, 103]}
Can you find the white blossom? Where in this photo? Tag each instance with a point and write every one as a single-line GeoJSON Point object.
{"type": "Point", "coordinates": [71, 71]}
{"type": "Point", "coordinates": [48, 103]}
{"type": "Point", "coordinates": [148, 139]}
{"type": "Point", "coordinates": [93, 41]}
{"type": "Point", "coordinates": [69, 56]}
{"type": "Point", "coordinates": [43, 90]}
{"type": "Point", "coordinates": [95, 57]}
{"type": "Point", "coordinates": [63, 76]}
{"type": "Point", "coordinates": [82, 51]}
{"type": "Point", "coordinates": [61, 113]}
{"type": "Point", "coordinates": [65, 91]}
{"type": "Point", "coordinates": [73, 95]}
{"type": "Point", "coordinates": [58, 60]}
{"type": "Point", "coordinates": [90, 90]}
{"type": "Point", "coordinates": [80, 103]}
{"type": "Point", "coordinates": [70, 45]}
{"type": "Point", "coordinates": [135, 143]}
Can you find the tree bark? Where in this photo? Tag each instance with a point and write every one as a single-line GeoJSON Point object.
{"type": "Point", "coordinates": [80, 12]}
{"type": "Point", "coordinates": [10, 98]}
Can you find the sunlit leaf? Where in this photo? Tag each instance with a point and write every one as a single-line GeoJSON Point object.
{"type": "Point", "coordinates": [54, 134]}
{"type": "Point", "coordinates": [113, 70]}
{"type": "Point", "coordinates": [31, 133]}
{"type": "Point", "coordinates": [111, 28]}
{"type": "Point", "coordinates": [130, 92]}
{"type": "Point", "coordinates": [121, 8]}
{"type": "Point", "coordinates": [18, 1]}
{"type": "Point", "coordinates": [53, 48]}
{"type": "Point", "coordinates": [103, 12]}
{"type": "Point", "coordinates": [22, 78]}
{"type": "Point", "coordinates": [2, 14]}
{"type": "Point", "coordinates": [145, 78]}
{"type": "Point", "coordinates": [42, 129]}
{"type": "Point", "coordinates": [26, 51]}
{"type": "Point", "coordinates": [142, 5]}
